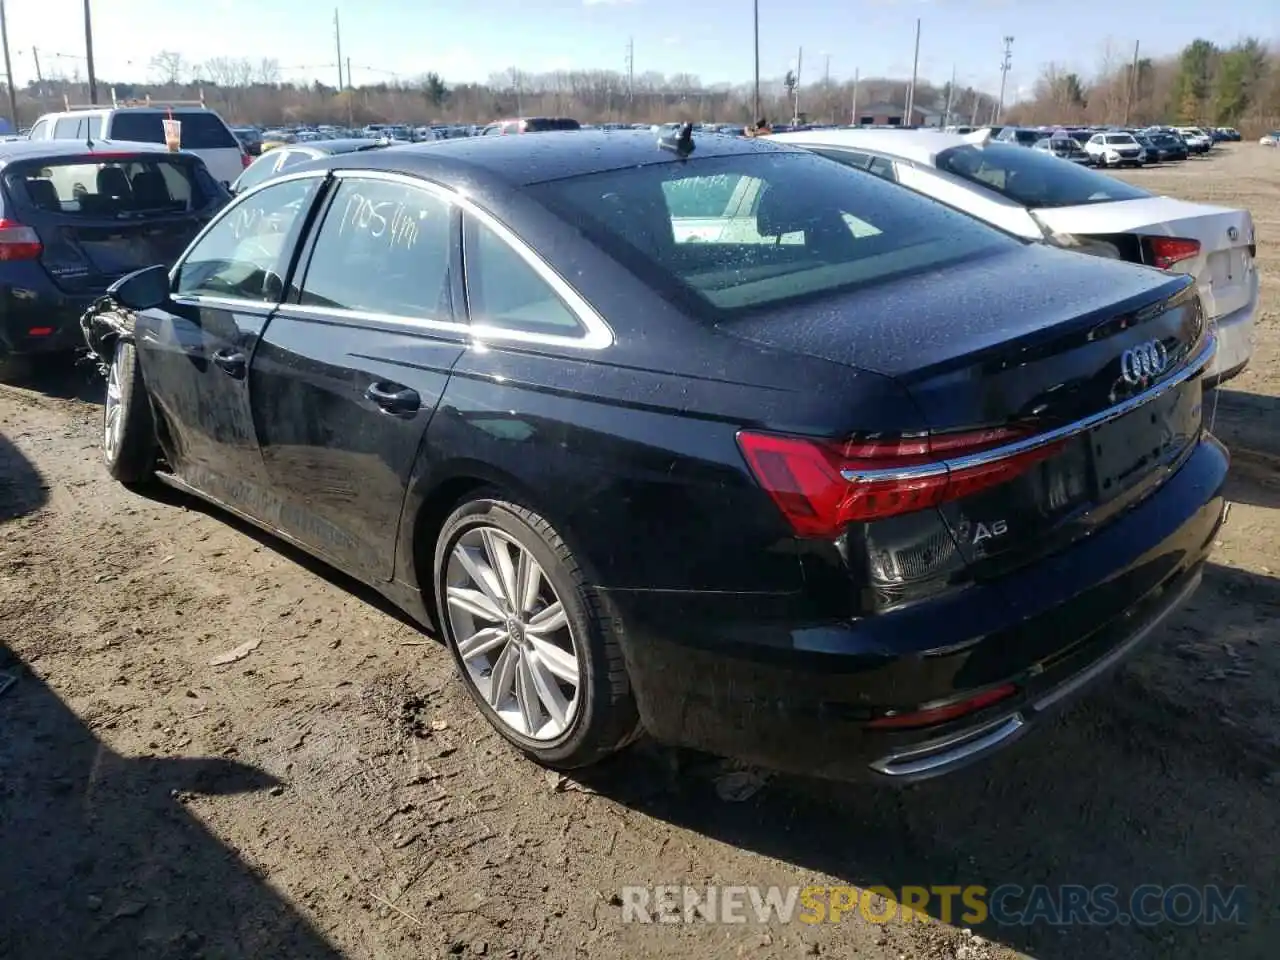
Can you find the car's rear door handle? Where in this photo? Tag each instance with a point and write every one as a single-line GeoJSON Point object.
{"type": "Point", "coordinates": [232, 362]}
{"type": "Point", "coordinates": [393, 398]}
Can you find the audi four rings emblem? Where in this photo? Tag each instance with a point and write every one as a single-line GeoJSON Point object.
{"type": "Point", "coordinates": [1144, 361]}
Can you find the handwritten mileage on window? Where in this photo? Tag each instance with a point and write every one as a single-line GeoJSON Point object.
{"type": "Point", "coordinates": [394, 220]}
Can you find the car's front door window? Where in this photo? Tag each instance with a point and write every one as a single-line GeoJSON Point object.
{"type": "Point", "coordinates": [245, 254]}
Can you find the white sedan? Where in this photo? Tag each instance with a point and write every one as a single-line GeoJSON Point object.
{"type": "Point", "coordinates": [1040, 197]}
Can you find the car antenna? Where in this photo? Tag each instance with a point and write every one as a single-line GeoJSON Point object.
{"type": "Point", "coordinates": [682, 144]}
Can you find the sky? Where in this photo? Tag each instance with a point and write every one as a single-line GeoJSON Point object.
{"type": "Point", "coordinates": [468, 40]}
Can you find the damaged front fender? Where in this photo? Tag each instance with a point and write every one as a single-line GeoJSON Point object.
{"type": "Point", "coordinates": [103, 324]}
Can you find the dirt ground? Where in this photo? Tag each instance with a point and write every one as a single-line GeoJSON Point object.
{"type": "Point", "coordinates": [332, 794]}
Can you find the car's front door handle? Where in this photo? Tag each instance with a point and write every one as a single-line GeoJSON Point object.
{"type": "Point", "coordinates": [232, 363]}
{"type": "Point", "coordinates": [393, 398]}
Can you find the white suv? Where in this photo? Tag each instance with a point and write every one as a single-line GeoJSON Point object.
{"type": "Point", "coordinates": [1115, 150]}
{"type": "Point", "coordinates": [203, 132]}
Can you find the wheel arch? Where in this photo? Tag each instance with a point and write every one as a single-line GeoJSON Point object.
{"type": "Point", "coordinates": [434, 497]}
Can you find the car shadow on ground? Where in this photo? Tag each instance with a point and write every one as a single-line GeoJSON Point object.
{"type": "Point", "coordinates": [1126, 789]}
{"type": "Point", "coordinates": [102, 857]}
{"type": "Point", "coordinates": [99, 855]}
{"type": "Point", "coordinates": [22, 488]}
{"type": "Point", "coordinates": [64, 376]}
{"type": "Point", "coordinates": [1249, 424]}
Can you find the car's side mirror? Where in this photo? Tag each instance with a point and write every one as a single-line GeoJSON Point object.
{"type": "Point", "coordinates": [142, 289]}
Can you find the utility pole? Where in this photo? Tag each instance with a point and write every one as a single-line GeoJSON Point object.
{"type": "Point", "coordinates": [951, 93]}
{"type": "Point", "coordinates": [799, 65]}
{"type": "Point", "coordinates": [88, 53]}
{"type": "Point", "coordinates": [828, 112]}
{"type": "Point", "coordinates": [8, 69]}
{"type": "Point", "coordinates": [1005, 63]}
{"type": "Point", "coordinates": [853, 107]}
{"type": "Point", "coordinates": [915, 72]}
{"type": "Point", "coordinates": [337, 37]}
{"type": "Point", "coordinates": [1133, 84]}
{"type": "Point", "coordinates": [631, 77]}
{"type": "Point", "coordinates": [755, 10]}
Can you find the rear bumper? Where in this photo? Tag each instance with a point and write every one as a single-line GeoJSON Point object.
{"type": "Point", "coordinates": [741, 676]}
{"type": "Point", "coordinates": [1235, 333]}
{"type": "Point", "coordinates": [23, 310]}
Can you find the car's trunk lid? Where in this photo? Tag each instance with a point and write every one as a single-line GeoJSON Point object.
{"type": "Point", "coordinates": [1224, 268]}
{"type": "Point", "coordinates": [1041, 340]}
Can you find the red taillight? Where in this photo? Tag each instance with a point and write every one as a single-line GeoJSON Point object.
{"type": "Point", "coordinates": [821, 485]}
{"type": "Point", "coordinates": [18, 242]}
{"type": "Point", "coordinates": [245, 161]}
{"type": "Point", "coordinates": [40, 332]}
{"type": "Point", "coordinates": [944, 712]}
{"type": "Point", "coordinates": [1166, 251]}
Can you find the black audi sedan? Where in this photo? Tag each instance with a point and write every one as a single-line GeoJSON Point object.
{"type": "Point", "coordinates": [705, 437]}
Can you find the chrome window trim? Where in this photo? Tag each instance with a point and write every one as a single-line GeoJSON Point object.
{"type": "Point", "coordinates": [479, 333]}
{"type": "Point", "coordinates": [1194, 365]}
{"type": "Point", "coordinates": [597, 332]}
{"type": "Point", "coordinates": [229, 303]}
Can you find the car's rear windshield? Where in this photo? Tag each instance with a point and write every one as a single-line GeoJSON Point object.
{"type": "Point", "coordinates": [1033, 178]}
{"type": "Point", "coordinates": [729, 234]}
{"type": "Point", "coordinates": [115, 188]}
{"type": "Point", "coordinates": [200, 130]}
{"type": "Point", "coordinates": [1027, 136]}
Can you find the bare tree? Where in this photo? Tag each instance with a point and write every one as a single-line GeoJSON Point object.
{"type": "Point", "coordinates": [169, 66]}
{"type": "Point", "coordinates": [268, 72]}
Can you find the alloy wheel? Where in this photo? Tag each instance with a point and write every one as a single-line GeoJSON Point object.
{"type": "Point", "coordinates": [513, 638]}
{"type": "Point", "coordinates": [113, 409]}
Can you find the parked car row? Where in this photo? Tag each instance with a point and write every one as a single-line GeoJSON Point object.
{"type": "Point", "coordinates": [876, 462]}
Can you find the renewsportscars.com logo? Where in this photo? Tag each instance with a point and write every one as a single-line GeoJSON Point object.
{"type": "Point", "coordinates": [1005, 905]}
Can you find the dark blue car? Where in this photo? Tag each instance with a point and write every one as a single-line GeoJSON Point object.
{"type": "Point", "coordinates": [77, 216]}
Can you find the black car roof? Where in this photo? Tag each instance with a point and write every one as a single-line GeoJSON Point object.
{"type": "Point", "coordinates": [339, 145]}
{"type": "Point", "coordinates": [35, 149]}
{"type": "Point", "coordinates": [523, 159]}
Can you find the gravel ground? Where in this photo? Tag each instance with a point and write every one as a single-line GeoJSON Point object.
{"type": "Point", "coordinates": [329, 792]}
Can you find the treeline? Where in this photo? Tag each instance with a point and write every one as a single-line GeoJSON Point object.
{"type": "Point", "coordinates": [245, 91]}
{"type": "Point", "coordinates": [1237, 86]}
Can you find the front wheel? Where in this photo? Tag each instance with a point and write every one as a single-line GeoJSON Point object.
{"type": "Point", "coordinates": [531, 638]}
{"type": "Point", "coordinates": [128, 431]}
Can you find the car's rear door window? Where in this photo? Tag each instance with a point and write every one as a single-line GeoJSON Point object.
{"type": "Point", "coordinates": [383, 248]}
{"type": "Point", "coordinates": [793, 225]}
{"type": "Point", "coordinates": [77, 128]}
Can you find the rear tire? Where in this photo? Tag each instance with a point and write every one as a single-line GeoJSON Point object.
{"type": "Point", "coordinates": [533, 642]}
{"type": "Point", "coordinates": [128, 434]}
